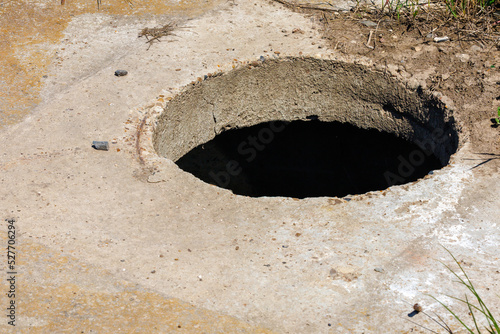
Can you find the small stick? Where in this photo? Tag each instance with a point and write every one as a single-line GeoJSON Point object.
{"type": "Point", "coordinates": [288, 4]}
{"type": "Point", "coordinates": [369, 39]}
{"type": "Point", "coordinates": [335, 48]}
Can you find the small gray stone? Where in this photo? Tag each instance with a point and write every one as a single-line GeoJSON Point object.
{"type": "Point", "coordinates": [368, 23]}
{"type": "Point", "coordinates": [120, 73]}
{"type": "Point", "coordinates": [443, 50]}
{"type": "Point", "coordinates": [476, 48]}
{"type": "Point", "coordinates": [463, 57]}
{"type": "Point", "coordinates": [441, 39]}
{"type": "Point", "coordinates": [100, 145]}
{"type": "Point", "coordinates": [379, 270]}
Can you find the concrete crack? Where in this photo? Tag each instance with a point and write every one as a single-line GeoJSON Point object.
{"type": "Point", "coordinates": [213, 114]}
{"type": "Point", "coordinates": [215, 123]}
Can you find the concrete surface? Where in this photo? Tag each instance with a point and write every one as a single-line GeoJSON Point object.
{"type": "Point", "coordinates": [123, 241]}
{"type": "Point", "coordinates": [31, 33]}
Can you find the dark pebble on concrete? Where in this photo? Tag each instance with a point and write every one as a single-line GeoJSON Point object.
{"type": "Point", "coordinates": [100, 145]}
{"type": "Point", "coordinates": [120, 73]}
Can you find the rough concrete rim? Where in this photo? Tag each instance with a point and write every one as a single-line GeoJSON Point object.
{"type": "Point", "coordinates": [292, 89]}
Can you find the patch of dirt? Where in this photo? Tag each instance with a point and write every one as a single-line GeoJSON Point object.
{"type": "Point", "coordinates": [466, 70]}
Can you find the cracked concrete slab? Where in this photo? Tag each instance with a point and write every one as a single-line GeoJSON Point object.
{"type": "Point", "coordinates": [124, 241]}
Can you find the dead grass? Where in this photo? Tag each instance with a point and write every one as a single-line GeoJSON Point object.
{"type": "Point", "coordinates": [467, 19]}
{"type": "Point", "coordinates": [305, 6]}
{"type": "Point", "coordinates": [477, 20]}
{"type": "Point", "coordinates": [154, 34]}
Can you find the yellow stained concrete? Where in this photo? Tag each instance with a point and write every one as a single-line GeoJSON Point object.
{"type": "Point", "coordinates": [56, 293]}
{"type": "Point", "coordinates": [29, 28]}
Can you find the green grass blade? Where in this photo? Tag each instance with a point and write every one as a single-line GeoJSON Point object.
{"type": "Point", "coordinates": [470, 286]}
{"type": "Point", "coordinates": [444, 325]}
{"type": "Point", "coordinates": [465, 302]}
{"type": "Point", "coordinates": [453, 313]}
{"type": "Point", "coordinates": [472, 314]}
{"type": "Point", "coordinates": [450, 8]}
{"type": "Point", "coordinates": [492, 323]}
{"type": "Point", "coordinates": [460, 279]}
{"type": "Point", "coordinates": [484, 309]}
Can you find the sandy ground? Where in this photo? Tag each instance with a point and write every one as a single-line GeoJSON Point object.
{"type": "Point", "coordinates": [107, 245]}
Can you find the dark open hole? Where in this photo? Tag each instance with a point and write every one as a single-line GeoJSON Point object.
{"type": "Point", "coordinates": [307, 159]}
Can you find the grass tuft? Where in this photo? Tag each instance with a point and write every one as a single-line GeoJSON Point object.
{"type": "Point", "coordinates": [496, 120]}
{"type": "Point", "coordinates": [479, 309]}
{"type": "Point", "coordinates": [469, 19]}
{"type": "Point", "coordinates": [463, 10]}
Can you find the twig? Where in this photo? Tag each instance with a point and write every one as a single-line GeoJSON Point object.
{"type": "Point", "coordinates": [369, 39]}
{"type": "Point", "coordinates": [443, 325]}
{"type": "Point", "coordinates": [154, 34]}
{"type": "Point", "coordinates": [130, 3]}
{"type": "Point", "coordinates": [416, 323]}
{"type": "Point", "coordinates": [308, 6]}
{"type": "Point", "coordinates": [370, 36]}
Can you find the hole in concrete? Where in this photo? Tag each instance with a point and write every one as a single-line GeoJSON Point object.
{"type": "Point", "coordinates": [307, 159]}
{"type": "Point", "coordinates": [306, 128]}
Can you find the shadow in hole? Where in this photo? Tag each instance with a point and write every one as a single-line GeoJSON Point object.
{"type": "Point", "coordinates": [306, 159]}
